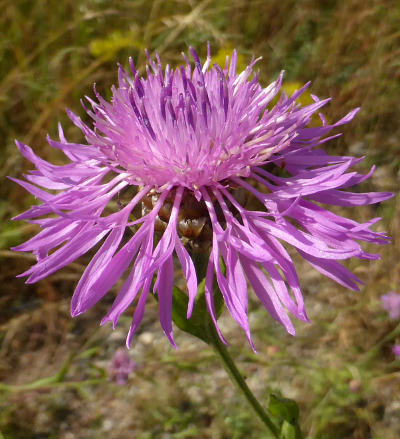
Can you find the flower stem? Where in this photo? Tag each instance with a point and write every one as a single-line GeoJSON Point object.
{"type": "Point", "coordinates": [238, 379]}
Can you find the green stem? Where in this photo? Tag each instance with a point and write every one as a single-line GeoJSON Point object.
{"type": "Point", "coordinates": [238, 379]}
{"type": "Point", "coordinates": [47, 383]}
{"type": "Point", "coordinates": [374, 351]}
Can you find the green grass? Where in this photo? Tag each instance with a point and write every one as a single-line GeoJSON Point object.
{"type": "Point", "coordinates": [340, 368]}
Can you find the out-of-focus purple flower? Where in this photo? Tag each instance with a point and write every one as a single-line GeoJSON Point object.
{"type": "Point", "coordinates": [391, 304]}
{"type": "Point", "coordinates": [396, 350]}
{"type": "Point", "coordinates": [196, 143]}
{"type": "Point", "coordinates": [120, 367]}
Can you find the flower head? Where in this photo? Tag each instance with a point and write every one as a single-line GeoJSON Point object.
{"type": "Point", "coordinates": [391, 304]}
{"type": "Point", "coordinates": [194, 145]}
{"type": "Point", "coordinates": [396, 351]}
{"type": "Point", "coordinates": [120, 367]}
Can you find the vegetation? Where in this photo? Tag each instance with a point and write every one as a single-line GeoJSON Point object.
{"type": "Point", "coordinates": [340, 368]}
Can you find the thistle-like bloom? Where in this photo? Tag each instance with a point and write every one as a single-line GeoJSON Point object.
{"type": "Point", "coordinates": [391, 304]}
{"type": "Point", "coordinates": [121, 366]}
{"type": "Point", "coordinates": [396, 351]}
{"type": "Point", "coordinates": [214, 167]}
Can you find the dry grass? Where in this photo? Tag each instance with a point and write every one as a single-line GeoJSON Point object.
{"type": "Point", "coordinates": [340, 368]}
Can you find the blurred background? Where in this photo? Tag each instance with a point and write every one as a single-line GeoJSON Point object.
{"type": "Point", "coordinates": [340, 369]}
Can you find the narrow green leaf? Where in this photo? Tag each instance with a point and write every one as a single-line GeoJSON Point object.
{"type": "Point", "coordinates": [64, 369]}
{"type": "Point", "coordinates": [290, 431]}
{"type": "Point", "coordinates": [196, 324]}
{"type": "Point", "coordinates": [283, 408]}
{"type": "Point", "coordinates": [200, 318]}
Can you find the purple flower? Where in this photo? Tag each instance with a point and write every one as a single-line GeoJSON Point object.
{"type": "Point", "coordinates": [197, 144]}
{"type": "Point", "coordinates": [396, 351]}
{"type": "Point", "coordinates": [391, 304]}
{"type": "Point", "coordinates": [120, 367]}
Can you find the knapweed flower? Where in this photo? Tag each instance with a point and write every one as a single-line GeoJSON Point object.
{"type": "Point", "coordinates": [121, 366]}
{"type": "Point", "coordinates": [391, 304]}
{"type": "Point", "coordinates": [396, 351]}
{"type": "Point", "coordinates": [211, 166]}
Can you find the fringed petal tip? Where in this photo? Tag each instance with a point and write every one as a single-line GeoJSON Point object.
{"type": "Point", "coordinates": [173, 344]}
{"type": "Point", "coordinates": [21, 146]}
{"type": "Point", "coordinates": [18, 248]}
{"type": "Point", "coordinates": [107, 319]}
{"type": "Point", "coordinates": [252, 345]}
{"type": "Point", "coordinates": [29, 281]}
{"type": "Point", "coordinates": [302, 315]}
{"type": "Point", "coordinates": [128, 342]}
{"type": "Point", "coordinates": [386, 195]}
{"type": "Point", "coordinates": [77, 312]}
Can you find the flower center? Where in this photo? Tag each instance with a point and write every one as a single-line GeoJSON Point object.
{"type": "Point", "coordinates": [194, 224]}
